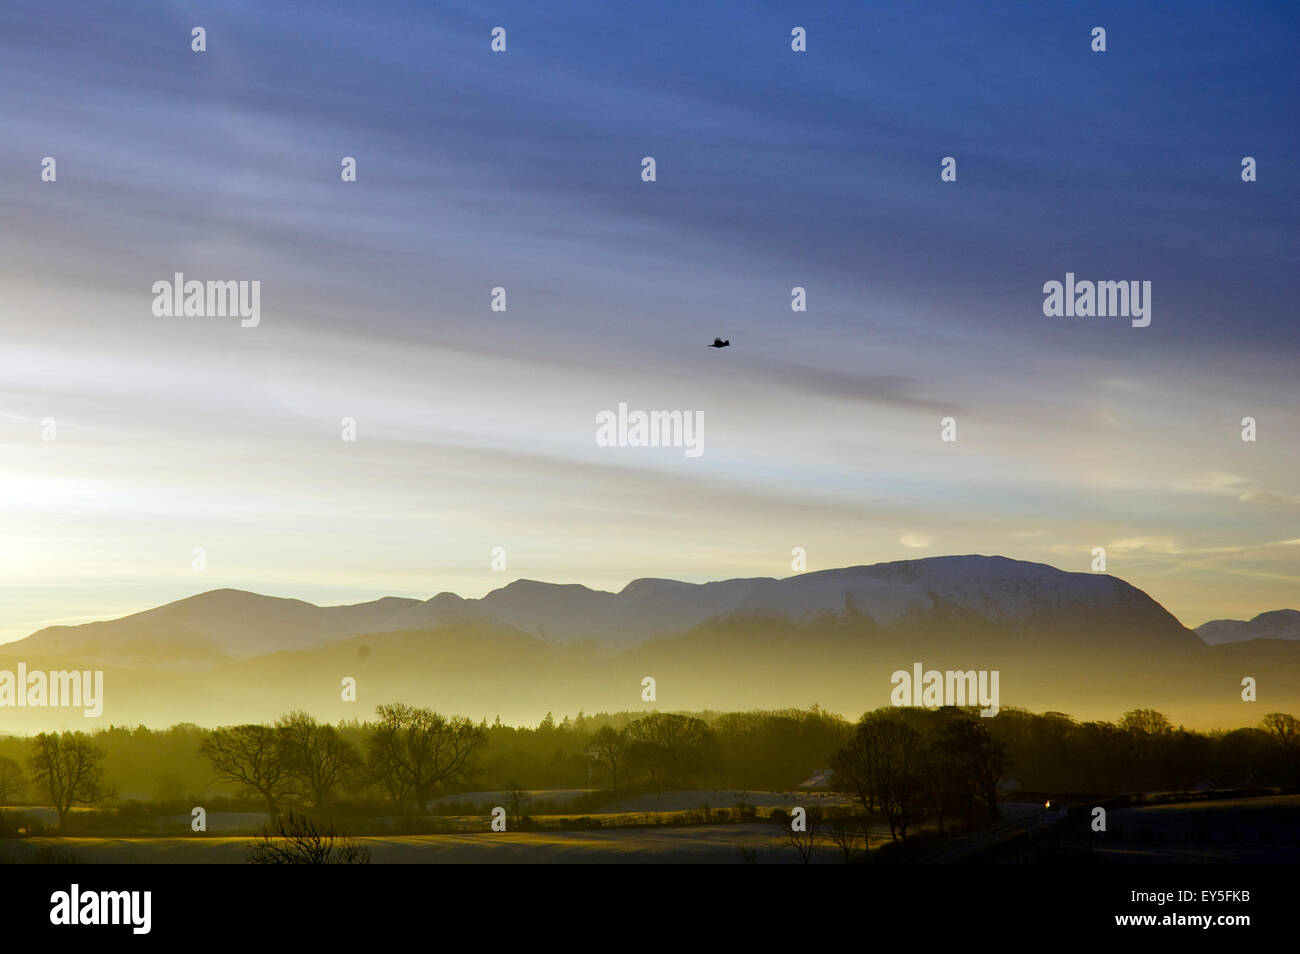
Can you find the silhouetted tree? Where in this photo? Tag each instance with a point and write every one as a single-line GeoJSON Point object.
{"type": "Point", "coordinates": [13, 784]}
{"type": "Point", "coordinates": [672, 749]}
{"type": "Point", "coordinates": [67, 768]}
{"type": "Point", "coordinates": [254, 756]}
{"type": "Point", "coordinates": [516, 797]}
{"type": "Point", "coordinates": [882, 767]}
{"type": "Point", "coordinates": [316, 755]}
{"type": "Point", "coordinates": [805, 842]}
{"type": "Point", "coordinates": [968, 747]}
{"type": "Point", "coordinates": [609, 750]}
{"type": "Point", "coordinates": [1284, 730]}
{"type": "Point", "coordinates": [952, 789]}
{"type": "Point", "coordinates": [846, 834]}
{"type": "Point", "coordinates": [1145, 723]}
{"type": "Point", "coordinates": [297, 840]}
{"type": "Point", "coordinates": [412, 750]}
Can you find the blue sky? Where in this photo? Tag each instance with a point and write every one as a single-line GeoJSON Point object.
{"type": "Point", "coordinates": [522, 169]}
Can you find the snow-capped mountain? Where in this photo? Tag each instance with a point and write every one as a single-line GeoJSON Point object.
{"type": "Point", "coordinates": [1010, 594]}
{"type": "Point", "coordinates": [1279, 624]}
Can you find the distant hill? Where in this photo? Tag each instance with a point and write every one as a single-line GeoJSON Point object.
{"type": "Point", "coordinates": [1279, 624]}
{"type": "Point", "coordinates": [1087, 644]}
{"type": "Point", "coordinates": [232, 624]}
{"type": "Point", "coordinates": [213, 627]}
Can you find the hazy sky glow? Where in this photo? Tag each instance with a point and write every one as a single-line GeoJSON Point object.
{"type": "Point", "coordinates": [476, 429]}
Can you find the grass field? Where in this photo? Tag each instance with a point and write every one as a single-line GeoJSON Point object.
{"type": "Point", "coordinates": [648, 829]}
{"type": "Point", "coordinates": [697, 843]}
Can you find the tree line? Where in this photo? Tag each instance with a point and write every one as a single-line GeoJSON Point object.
{"type": "Point", "coordinates": [900, 762]}
{"type": "Point", "coordinates": [412, 754]}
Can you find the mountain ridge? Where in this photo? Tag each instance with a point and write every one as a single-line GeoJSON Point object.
{"type": "Point", "coordinates": [224, 624]}
{"type": "Point", "coordinates": [1090, 644]}
{"type": "Point", "coordinates": [1275, 624]}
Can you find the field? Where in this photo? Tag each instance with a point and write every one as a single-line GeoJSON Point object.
{"type": "Point", "coordinates": [699, 843]}
{"type": "Point", "coordinates": [1256, 830]}
{"type": "Point", "coordinates": [701, 827]}
{"type": "Point", "coordinates": [637, 829]}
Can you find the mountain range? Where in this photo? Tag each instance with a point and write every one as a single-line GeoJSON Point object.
{"type": "Point", "coordinates": [1086, 643]}
{"type": "Point", "coordinates": [1279, 624]}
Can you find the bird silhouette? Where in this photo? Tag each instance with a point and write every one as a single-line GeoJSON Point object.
{"type": "Point", "coordinates": [719, 343]}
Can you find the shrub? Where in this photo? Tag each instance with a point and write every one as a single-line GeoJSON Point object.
{"type": "Point", "coordinates": [297, 840]}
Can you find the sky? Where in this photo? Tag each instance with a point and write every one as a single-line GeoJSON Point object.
{"type": "Point", "coordinates": [475, 429]}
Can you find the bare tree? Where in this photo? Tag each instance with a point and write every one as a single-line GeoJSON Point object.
{"type": "Point", "coordinates": [1145, 723]}
{"type": "Point", "coordinates": [882, 767]}
{"type": "Point", "coordinates": [67, 767]}
{"type": "Point", "coordinates": [1283, 728]}
{"type": "Point", "coordinates": [386, 763]}
{"type": "Point", "coordinates": [316, 755]}
{"type": "Point", "coordinates": [13, 784]}
{"type": "Point", "coordinates": [515, 798]}
{"type": "Point", "coordinates": [297, 840]}
{"type": "Point", "coordinates": [609, 750]}
{"type": "Point", "coordinates": [412, 751]}
{"type": "Point", "coordinates": [805, 842]}
{"type": "Point", "coordinates": [845, 835]}
{"type": "Point", "coordinates": [672, 748]}
{"type": "Point", "coordinates": [253, 756]}
{"type": "Point", "coordinates": [966, 744]}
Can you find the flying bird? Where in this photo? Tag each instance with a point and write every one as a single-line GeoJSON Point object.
{"type": "Point", "coordinates": [719, 343]}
